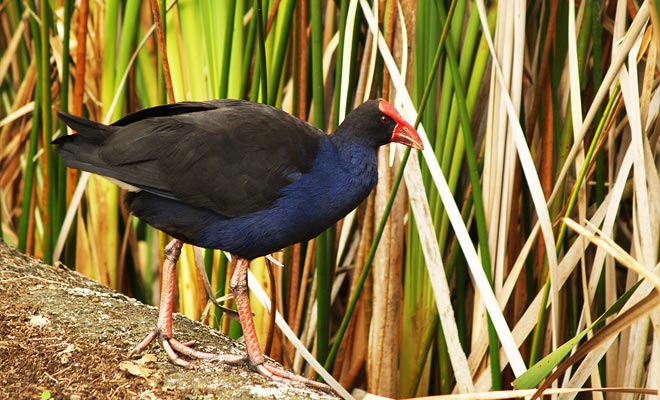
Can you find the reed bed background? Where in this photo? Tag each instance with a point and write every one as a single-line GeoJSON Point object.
{"type": "Point", "coordinates": [527, 230]}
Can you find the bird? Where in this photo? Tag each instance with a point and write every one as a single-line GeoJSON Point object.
{"type": "Point", "coordinates": [238, 176]}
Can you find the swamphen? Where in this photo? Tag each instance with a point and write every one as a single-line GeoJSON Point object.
{"type": "Point", "coordinates": [243, 177]}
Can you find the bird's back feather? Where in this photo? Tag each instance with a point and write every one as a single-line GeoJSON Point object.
{"type": "Point", "coordinates": [229, 156]}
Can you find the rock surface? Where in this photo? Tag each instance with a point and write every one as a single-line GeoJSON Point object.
{"type": "Point", "coordinates": [63, 334]}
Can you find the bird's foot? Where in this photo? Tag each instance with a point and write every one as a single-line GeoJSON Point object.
{"type": "Point", "coordinates": [279, 374]}
{"type": "Point", "coordinates": [173, 348]}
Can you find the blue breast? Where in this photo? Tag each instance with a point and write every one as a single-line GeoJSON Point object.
{"type": "Point", "coordinates": [338, 181]}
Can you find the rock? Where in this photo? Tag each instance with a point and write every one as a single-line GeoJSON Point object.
{"type": "Point", "coordinates": [65, 336]}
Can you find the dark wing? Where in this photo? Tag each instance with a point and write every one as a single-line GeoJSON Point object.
{"type": "Point", "coordinates": [229, 156]}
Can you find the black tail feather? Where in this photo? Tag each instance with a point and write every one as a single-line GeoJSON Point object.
{"type": "Point", "coordinates": [80, 150]}
{"type": "Point", "coordinates": [94, 131]}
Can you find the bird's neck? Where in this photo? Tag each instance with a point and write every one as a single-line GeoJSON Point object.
{"type": "Point", "coordinates": [353, 151]}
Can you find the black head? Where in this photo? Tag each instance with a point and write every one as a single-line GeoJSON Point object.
{"type": "Point", "coordinates": [377, 122]}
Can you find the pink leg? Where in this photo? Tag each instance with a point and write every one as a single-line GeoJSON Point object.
{"type": "Point", "coordinates": [173, 347]}
{"type": "Point", "coordinates": [163, 331]}
{"type": "Point", "coordinates": [255, 357]}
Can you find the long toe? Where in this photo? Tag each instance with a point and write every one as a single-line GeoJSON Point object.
{"type": "Point", "coordinates": [280, 374]}
{"type": "Point", "coordinates": [174, 349]}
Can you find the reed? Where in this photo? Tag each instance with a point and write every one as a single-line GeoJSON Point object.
{"type": "Point", "coordinates": [524, 232]}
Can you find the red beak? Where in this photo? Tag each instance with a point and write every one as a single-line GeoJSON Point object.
{"type": "Point", "coordinates": [403, 132]}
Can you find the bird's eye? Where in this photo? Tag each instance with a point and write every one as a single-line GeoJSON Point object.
{"type": "Point", "coordinates": [384, 119]}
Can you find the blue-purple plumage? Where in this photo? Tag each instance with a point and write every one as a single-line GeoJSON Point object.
{"type": "Point", "coordinates": [233, 175]}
